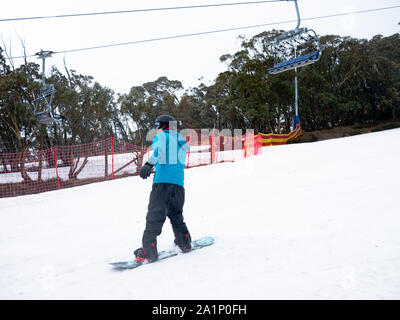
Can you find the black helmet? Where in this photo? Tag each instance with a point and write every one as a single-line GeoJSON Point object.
{"type": "Point", "coordinates": [162, 121]}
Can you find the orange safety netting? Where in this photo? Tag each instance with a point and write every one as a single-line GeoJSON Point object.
{"type": "Point", "coordinates": [67, 166]}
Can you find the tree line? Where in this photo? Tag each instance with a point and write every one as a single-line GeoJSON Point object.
{"type": "Point", "coordinates": [356, 81]}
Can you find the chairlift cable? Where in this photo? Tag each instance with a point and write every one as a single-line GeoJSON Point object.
{"type": "Point", "coordinates": [214, 31]}
{"type": "Point", "coordinates": [139, 10]}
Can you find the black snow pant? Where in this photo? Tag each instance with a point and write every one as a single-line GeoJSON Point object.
{"type": "Point", "coordinates": [166, 200]}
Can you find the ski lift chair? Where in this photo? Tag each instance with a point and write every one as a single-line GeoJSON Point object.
{"type": "Point", "coordinates": [44, 114]}
{"type": "Point", "coordinates": [290, 41]}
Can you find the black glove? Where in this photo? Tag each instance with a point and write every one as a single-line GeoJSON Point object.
{"type": "Point", "coordinates": [146, 170]}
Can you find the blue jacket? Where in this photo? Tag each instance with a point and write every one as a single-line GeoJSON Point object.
{"type": "Point", "coordinates": [169, 157]}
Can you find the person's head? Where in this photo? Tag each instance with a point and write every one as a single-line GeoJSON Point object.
{"type": "Point", "coordinates": [165, 122]}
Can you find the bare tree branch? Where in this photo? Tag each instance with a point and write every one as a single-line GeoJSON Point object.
{"type": "Point", "coordinates": [23, 48]}
{"type": "Point", "coordinates": [8, 55]}
{"type": "Point", "coordinates": [67, 71]}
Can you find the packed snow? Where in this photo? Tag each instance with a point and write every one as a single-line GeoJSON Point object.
{"type": "Point", "coordinates": [302, 221]}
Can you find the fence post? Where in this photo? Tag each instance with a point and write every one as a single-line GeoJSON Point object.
{"type": "Point", "coordinates": [112, 157]}
{"type": "Point", "coordinates": [257, 144]}
{"type": "Point", "coordinates": [212, 147]}
{"type": "Point", "coordinates": [55, 163]}
{"type": "Point", "coordinates": [244, 145]}
{"type": "Point", "coordinates": [188, 154]}
{"type": "Point", "coordinates": [248, 146]}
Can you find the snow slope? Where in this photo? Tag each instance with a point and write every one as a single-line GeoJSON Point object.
{"type": "Point", "coordinates": [305, 221]}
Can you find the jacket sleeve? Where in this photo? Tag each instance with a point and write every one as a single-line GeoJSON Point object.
{"type": "Point", "coordinates": [183, 144]}
{"type": "Point", "coordinates": [159, 150]}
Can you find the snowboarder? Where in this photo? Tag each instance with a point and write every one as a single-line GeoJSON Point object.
{"type": "Point", "coordinates": [167, 196]}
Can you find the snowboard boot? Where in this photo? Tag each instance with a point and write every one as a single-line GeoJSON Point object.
{"type": "Point", "coordinates": [150, 254]}
{"type": "Point", "coordinates": [184, 242]}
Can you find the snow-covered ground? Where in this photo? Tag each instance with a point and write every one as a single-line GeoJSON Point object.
{"type": "Point", "coordinates": [304, 221]}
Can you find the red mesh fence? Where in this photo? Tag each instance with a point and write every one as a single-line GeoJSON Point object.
{"type": "Point", "coordinates": [68, 166]}
{"type": "Point", "coordinates": [212, 148]}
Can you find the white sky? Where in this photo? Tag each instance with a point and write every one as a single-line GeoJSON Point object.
{"type": "Point", "coordinates": [185, 59]}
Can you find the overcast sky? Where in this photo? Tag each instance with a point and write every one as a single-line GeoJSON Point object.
{"type": "Point", "coordinates": [184, 59]}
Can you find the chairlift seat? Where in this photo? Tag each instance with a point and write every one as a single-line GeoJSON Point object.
{"type": "Point", "coordinates": [295, 63]}
{"type": "Point", "coordinates": [46, 117]}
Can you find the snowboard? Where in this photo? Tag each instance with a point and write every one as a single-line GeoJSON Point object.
{"type": "Point", "coordinates": [131, 263]}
